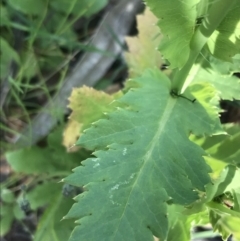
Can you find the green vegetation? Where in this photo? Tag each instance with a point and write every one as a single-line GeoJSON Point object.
{"type": "Point", "coordinates": [154, 159]}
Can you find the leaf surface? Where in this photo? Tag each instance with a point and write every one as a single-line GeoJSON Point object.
{"type": "Point", "coordinates": [228, 86]}
{"type": "Point", "coordinates": [142, 49]}
{"type": "Point", "coordinates": [51, 226]}
{"type": "Point", "coordinates": [36, 7]}
{"type": "Point", "coordinates": [8, 54]}
{"type": "Point", "coordinates": [80, 8]}
{"type": "Point", "coordinates": [177, 23]}
{"type": "Point", "coordinates": [225, 221]}
{"type": "Point", "coordinates": [144, 159]}
{"type": "Point", "coordinates": [53, 159]}
{"type": "Point", "coordinates": [223, 148]}
{"type": "Point", "coordinates": [88, 105]}
{"type": "Point", "coordinates": [224, 43]}
{"type": "Point", "coordinates": [43, 194]}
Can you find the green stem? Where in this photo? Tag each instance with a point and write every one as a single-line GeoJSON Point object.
{"type": "Point", "coordinates": [216, 14]}
{"type": "Point", "coordinates": [219, 208]}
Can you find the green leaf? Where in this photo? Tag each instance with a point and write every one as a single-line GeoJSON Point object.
{"type": "Point", "coordinates": [52, 160]}
{"type": "Point", "coordinates": [88, 105]}
{"type": "Point", "coordinates": [225, 68]}
{"type": "Point", "coordinates": [29, 59]}
{"type": "Point", "coordinates": [224, 220]}
{"type": "Point", "coordinates": [36, 7]}
{"type": "Point", "coordinates": [179, 229]}
{"type": "Point", "coordinates": [206, 95]}
{"type": "Point", "coordinates": [236, 196]}
{"type": "Point", "coordinates": [82, 8]}
{"type": "Point", "coordinates": [51, 227]}
{"type": "Point", "coordinates": [228, 180]}
{"type": "Point", "coordinates": [19, 214]}
{"type": "Point", "coordinates": [142, 49]}
{"type": "Point", "coordinates": [7, 196]}
{"type": "Point", "coordinates": [6, 219]}
{"type": "Point", "coordinates": [227, 85]}
{"type": "Point", "coordinates": [179, 232]}
{"type": "Point", "coordinates": [223, 148]}
{"type": "Point", "coordinates": [177, 23]}
{"type": "Point", "coordinates": [43, 194]}
{"type": "Point", "coordinates": [8, 55]}
{"type": "Point", "coordinates": [33, 160]}
{"type": "Point", "coordinates": [182, 220]}
{"type": "Point", "coordinates": [144, 160]}
{"type": "Point", "coordinates": [4, 16]}
{"type": "Point", "coordinates": [225, 41]}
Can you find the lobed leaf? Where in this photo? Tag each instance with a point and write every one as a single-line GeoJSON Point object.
{"type": "Point", "coordinates": [142, 49]}
{"type": "Point", "coordinates": [224, 43]}
{"type": "Point", "coordinates": [143, 161]}
{"type": "Point", "coordinates": [177, 24]}
{"type": "Point", "coordinates": [228, 86]}
{"type": "Point", "coordinates": [225, 221]}
{"type": "Point", "coordinates": [88, 105]}
{"type": "Point", "coordinates": [225, 68]}
{"type": "Point", "coordinates": [223, 148]}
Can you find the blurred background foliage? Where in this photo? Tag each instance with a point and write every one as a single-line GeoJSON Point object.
{"type": "Point", "coordinates": [40, 41]}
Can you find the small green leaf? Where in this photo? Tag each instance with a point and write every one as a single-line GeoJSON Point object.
{"type": "Point", "coordinates": [51, 225]}
{"type": "Point", "coordinates": [236, 197]}
{"type": "Point", "coordinates": [142, 49]}
{"type": "Point", "coordinates": [43, 194]}
{"type": "Point", "coordinates": [52, 160]}
{"type": "Point", "coordinates": [33, 160]}
{"type": "Point", "coordinates": [177, 23]}
{"type": "Point", "coordinates": [6, 219]}
{"type": "Point", "coordinates": [228, 181]}
{"type": "Point", "coordinates": [224, 220]}
{"type": "Point", "coordinates": [225, 41]}
{"type": "Point", "coordinates": [4, 16]}
{"type": "Point", "coordinates": [36, 7]}
{"type": "Point", "coordinates": [227, 85]}
{"type": "Point", "coordinates": [29, 59]}
{"type": "Point", "coordinates": [18, 212]}
{"type": "Point", "coordinates": [7, 196]}
{"type": "Point", "coordinates": [80, 8]}
{"type": "Point", "coordinates": [8, 55]}
{"type": "Point", "coordinates": [223, 67]}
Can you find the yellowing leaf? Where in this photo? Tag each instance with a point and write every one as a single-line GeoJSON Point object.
{"type": "Point", "coordinates": [143, 51]}
{"type": "Point", "coordinates": [71, 134]}
{"type": "Point", "coordinates": [88, 105]}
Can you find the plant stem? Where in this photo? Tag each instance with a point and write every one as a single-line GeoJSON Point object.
{"type": "Point", "coordinates": [219, 208]}
{"type": "Point", "coordinates": [216, 14]}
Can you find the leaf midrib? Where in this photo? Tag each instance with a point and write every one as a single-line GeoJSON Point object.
{"type": "Point", "coordinates": [169, 108]}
